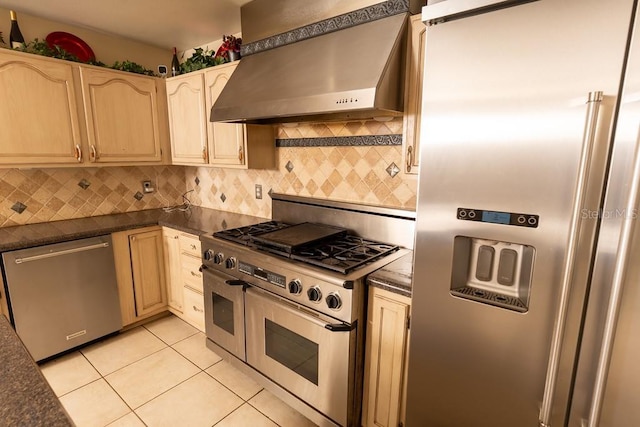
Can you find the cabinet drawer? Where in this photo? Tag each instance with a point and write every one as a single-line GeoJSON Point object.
{"type": "Point", "coordinates": [190, 244]}
{"type": "Point", "coordinates": [191, 274]}
{"type": "Point", "coordinates": [193, 309]}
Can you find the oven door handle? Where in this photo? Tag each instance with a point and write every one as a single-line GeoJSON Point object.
{"type": "Point", "coordinates": [300, 311]}
{"type": "Point", "coordinates": [237, 282]}
{"type": "Point", "coordinates": [340, 327]}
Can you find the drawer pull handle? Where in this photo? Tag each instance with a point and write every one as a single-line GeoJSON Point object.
{"type": "Point", "coordinates": [193, 246]}
{"type": "Point", "coordinates": [194, 274]}
{"type": "Point", "coordinates": [197, 309]}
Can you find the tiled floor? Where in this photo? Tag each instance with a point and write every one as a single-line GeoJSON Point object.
{"type": "Point", "coordinates": [161, 374]}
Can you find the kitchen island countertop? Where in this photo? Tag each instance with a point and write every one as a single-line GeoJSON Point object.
{"type": "Point", "coordinates": [395, 277]}
{"type": "Point", "coordinates": [196, 221]}
{"type": "Point", "coordinates": [26, 399]}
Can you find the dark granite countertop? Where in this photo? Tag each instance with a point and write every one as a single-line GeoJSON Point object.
{"type": "Point", "coordinates": [26, 399]}
{"type": "Point", "coordinates": [196, 220]}
{"type": "Point", "coordinates": [395, 277]}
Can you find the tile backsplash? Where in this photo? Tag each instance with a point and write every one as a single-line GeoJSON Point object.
{"type": "Point", "coordinates": [364, 174]}
{"type": "Point", "coordinates": [39, 195]}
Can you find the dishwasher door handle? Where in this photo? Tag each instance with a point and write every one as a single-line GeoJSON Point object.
{"type": "Point", "coordinates": [62, 252]}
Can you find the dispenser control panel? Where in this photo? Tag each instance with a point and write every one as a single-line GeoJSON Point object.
{"type": "Point", "coordinates": [495, 217]}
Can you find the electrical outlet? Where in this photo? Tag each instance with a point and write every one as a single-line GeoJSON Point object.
{"type": "Point", "coordinates": [258, 191]}
{"type": "Point", "coordinates": [147, 187]}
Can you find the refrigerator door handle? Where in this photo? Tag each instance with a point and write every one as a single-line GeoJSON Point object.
{"type": "Point", "coordinates": [613, 307]}
{"type": "Point", "coordinates": [591, 123]}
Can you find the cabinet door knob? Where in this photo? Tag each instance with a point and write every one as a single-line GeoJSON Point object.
{"type": "Point", "coordinates": [205, 154]}
{"type": "Point", "coordinates": [241, 155]}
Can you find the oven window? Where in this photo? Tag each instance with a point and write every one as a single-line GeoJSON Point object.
{"type": "Point", "coordinates": [292, 350]}
{"type": "Point", "coordinates": [223, 313]}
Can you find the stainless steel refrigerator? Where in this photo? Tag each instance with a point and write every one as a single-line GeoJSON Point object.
{"type": "Point", "coordinates": [526, 294]}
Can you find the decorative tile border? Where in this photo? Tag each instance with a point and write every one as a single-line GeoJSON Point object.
{"type": "Point", "coordinates": [341, 141]}
{"type": "Point", "coordinates": [341, 22]}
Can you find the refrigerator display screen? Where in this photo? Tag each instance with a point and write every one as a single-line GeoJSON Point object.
{"type": "Point", "coordinates": [496, 217]}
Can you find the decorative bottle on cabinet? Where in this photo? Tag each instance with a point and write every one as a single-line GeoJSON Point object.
{"type": "Point", "coordinates": [16, 41]}
{"type": "Point", "coordinates": [175, 65]}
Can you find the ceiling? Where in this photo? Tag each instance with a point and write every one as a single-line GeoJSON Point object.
{"type": "Point", "coordinates": [164, 23]}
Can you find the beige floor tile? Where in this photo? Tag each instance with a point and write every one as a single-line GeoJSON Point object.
{"type": "Point", "coordinates": [171, 329]}
{"type": "Point", "coordinates": [278, 411]}
{"type": "Point", "coordinates": [194, 349]}
{"type": "Point", "coordinates": [199, 401]}
{"type": "Point", "coordinates": [246, 415]}
{"type": "Point", "coordinates": [69, 372]}
{"type": "Point", "coordinates": [147, 378]}
{"type": "Point", "coordinates": [129, 420]}
{"type": "Point", "coordinates": [114, 353]}
{"type": "Point", "coordinates": [95, 404]}
{"type": "Point", "coordinates": [234, 380]}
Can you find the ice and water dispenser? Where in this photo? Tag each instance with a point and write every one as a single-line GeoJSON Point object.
{"type": "Point", "coordinates": [492, 271]}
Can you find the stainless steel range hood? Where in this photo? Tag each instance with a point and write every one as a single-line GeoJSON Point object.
{"type": "Point", "coordinates": [354, 73]}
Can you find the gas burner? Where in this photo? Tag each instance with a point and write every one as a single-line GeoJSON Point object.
{"type": "Point", "coordinates": [243, 235]}
{"type": "Point", "coordinates": [315, 244]}
{"type": "Point", "coordinates": [343, 254]}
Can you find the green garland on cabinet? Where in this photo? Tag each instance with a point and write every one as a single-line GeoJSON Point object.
{"type": "Point", "coordinates": [41, 47]}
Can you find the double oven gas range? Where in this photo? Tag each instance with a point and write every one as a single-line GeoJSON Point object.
{"type": "Point", "coordinates": [285, 299]}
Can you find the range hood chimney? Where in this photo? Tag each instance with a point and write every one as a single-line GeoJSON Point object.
{"type": "Point", "coordinates": [348, 65]}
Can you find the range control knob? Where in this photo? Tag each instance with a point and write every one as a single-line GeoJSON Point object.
{"type": "Point", "coordinates": [334, 302]}
{"type": "Point", "coordinates": [230, 263]}
{"type": "Point", "coordinates": [295, 287]}
{"type": "Point", "coordinates": [208, 255]}
{"type": "Point", "coordinates": [218, 258]}
{"type": "Point", "coordinates": [314, 294]}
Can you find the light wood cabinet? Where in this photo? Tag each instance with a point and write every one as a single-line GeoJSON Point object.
{"type": "Point", "coordinates": [413, 94]}
{"type": "Point", "coordinates": [140, 273]}
{"type": "Point", "coordinates": [39, 118]}
{"type": "Point", "coordinates": [61, 113]}
{"type": "Point", "coordinates": [386, 359]}
{"type": "Point", "coordinates": [187, 119]}
{"type": "Point", "coordinates": [172, 263]}
{"type": "Point", "coordinates": [121, 113]}
{"type": "Point", "coordinates": [183, 261]}
{"type": "Point", "coordinates": [197, 141]}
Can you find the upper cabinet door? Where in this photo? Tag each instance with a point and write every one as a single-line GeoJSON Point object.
{"type": "Point", "coordinates": [188, 119]}
{"type": "Point", "coordinates": [39, 121]}
{"type": "Point", "coordinates": [122, 116]}
{"type": "Point", "coordinates": [226, 140]}
{"type": "Point", "coordinates": [413, 94]}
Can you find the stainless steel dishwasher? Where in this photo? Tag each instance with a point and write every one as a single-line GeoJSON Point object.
{"type": "Point", "coordinates": [62, 295]}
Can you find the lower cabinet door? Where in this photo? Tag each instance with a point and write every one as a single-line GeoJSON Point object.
{"type": "Point", "coordinates": [385, 361]}
{"type": "Point", "coordinates": [148, 272]}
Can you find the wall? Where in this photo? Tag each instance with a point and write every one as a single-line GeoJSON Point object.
{"type": "Point", "coordinates": [56, 194]}
{"type": "Point", "coordinates": [353, 174]}
{"type": "Point", "coordinates": [107, 48]}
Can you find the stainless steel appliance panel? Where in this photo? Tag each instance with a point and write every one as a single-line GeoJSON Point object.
{"type": "Point", "coordinates": [608, 375]}
{"type": "Point", "coordinates": [296, 349]}
{"type": "Point", "coordinates": [509, 129]}
{"type": "Point", "coordinates": [224, 311]}
{"type": "Point", "coordinates": [63, 295]}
